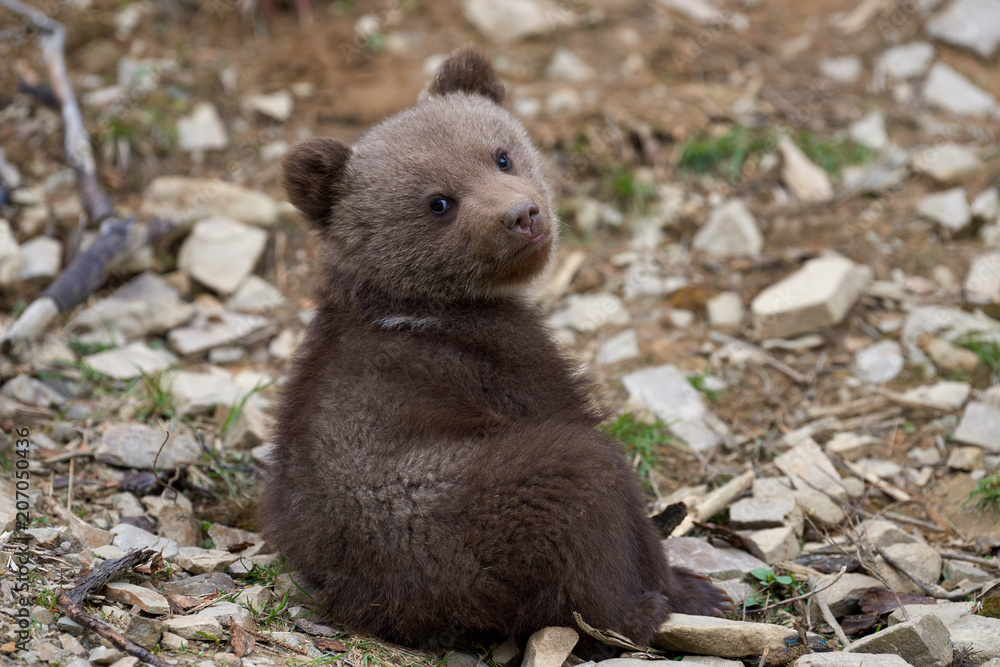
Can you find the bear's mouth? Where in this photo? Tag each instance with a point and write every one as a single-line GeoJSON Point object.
{"type": "Point", "coordinates": [532, 242]}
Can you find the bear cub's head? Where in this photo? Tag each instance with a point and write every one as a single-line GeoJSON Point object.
{"type": "Point", "coordinates": [443, 201]}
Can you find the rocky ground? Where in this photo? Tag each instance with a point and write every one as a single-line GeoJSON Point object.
{"type": "Point", "coordinates": [781, 257]}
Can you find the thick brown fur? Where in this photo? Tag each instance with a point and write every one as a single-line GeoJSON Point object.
{"type": "Point", "coordinates": [439, 472]}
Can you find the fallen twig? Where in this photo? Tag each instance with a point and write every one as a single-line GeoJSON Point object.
{"type": "Point", "coordinates": [761, 356]}
{"type": "Point", "coordinates": [828, 616]}
{"type": "Point", "coordinates": [953, 555]}
{"type": "Point", "coordinates": [782, 603]}
{"type": "Point", "coordinates": [933, 590]}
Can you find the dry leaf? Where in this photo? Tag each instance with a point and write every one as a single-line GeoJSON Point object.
{"type": "Point", "coordinates": [241, 640]}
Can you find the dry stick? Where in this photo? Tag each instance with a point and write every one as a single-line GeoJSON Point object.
{"type": "Point", "coordinates": [69, 492]}
{"type": "Point", "coordinates": [761, 356]}
{"type": "Point", "coordinates": [69, 603]}
{"type": "Point", "coordinates": [828, 616]}
{"type": "Point", "coordinates": [953, 555]}
{"type": "Point", "coordinates": [782, 603]}
{"type": "Point", "coordinates": [932, 590]}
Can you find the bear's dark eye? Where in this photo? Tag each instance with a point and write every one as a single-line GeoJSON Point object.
{"type": "Point", "coordinates": [503, 161]}
{"type": "Point", "coordinates": [439, 205]}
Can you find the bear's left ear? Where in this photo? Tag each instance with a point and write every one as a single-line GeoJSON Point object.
{"type": "Point", "coordinates": [468, 70]}
{"type": "Point", "coordinates": [312, 172]}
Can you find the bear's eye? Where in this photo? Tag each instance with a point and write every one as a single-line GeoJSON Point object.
{"type": "Point", "coordinates": [439, 205]}
{"type": "Point", "coordinates": [503, 161]}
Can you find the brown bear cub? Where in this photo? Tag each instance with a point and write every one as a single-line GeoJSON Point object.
{"type": "Point", "coordinates": [439, 472]}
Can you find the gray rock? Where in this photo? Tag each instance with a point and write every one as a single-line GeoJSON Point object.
{"type": "Point", "coordinates": [905, 61]}
{"type": "Point", "coordinates": [947, 612]}
{"type": "Point", "coordinates": [772, 512]}
{"type": "Point", "coordinates": [850, 446]}
{"type": "Point", "coordinates": [620, 347]}
{"type": "Point", "coordinates": [667, 392]}
{"type": "Point", "coordinates": [276, 106]}
{"type": "Point", "coordinates": [291, 585]}
{"type": "Point", "coordinates": [880, 362]}
{"type": "Point", "coordinates": [957, 570]}
{"type": "Point", "coordinates": [131, 361]}
{"type": "Point", "coordinates": [844, 596]}
{"type": "Point", "coordinates": [514, 20]}
{"type": "Point", "coordinates": [200, 585]}
{"type": "Point", "coordinates": [980, 426]}
{"type": "Point", "coordinates": [725, 310]}
{"type": "Point", "coordinates": [200, 393]}
{"type": "Point", "coordinates": [549, 647]}
{"type": "Point", "coordinates": [922, 643]}
{"type": "Point", "coordinates": [947, 162]}
{"type": "Point", "coordinates": [971, 24]}
{"type": "Point", "coordinates": [986, 205]}
{"type": "Point", "coordinates": [947, 89]}
{"type": "Point", "coordinates": [842, 69]}
{"type": "Point", "coordinates": [10, 255]}
{"type": "Point", "coordinates": [104, 655]}
{"type": "Point", "coordinates": [198, 627]}
{"type": "Point", "coordinates": [884, 533]}
{"type": "Point", "coordinates": [202, 129]}
{"type": "Point", "coordinates": [777, 544]}
{"type": "Point", "coordinates": [809, 468]}
{"type": "Point", "coordinates": [567, 66]}
{"type": "Point", "coordinates": [841, 659]}
{"type": "Point", "coordinates": [983, 282]}
{"type": "Point", "coordinates": [942, 395]}
{"type": "Point", "coordinates": [41, 259]}
{"type": "Point", "coordinates": [285, 343]}
{"type": "Point", "coordinates": [818, 295]}
{"type": "Point", "coordinates": [918, 559]}
{"type": "Point", "coordinates": [145, 632]}
{"type": "Point", "coordinates": [137, 445]}
{"type": "Point", "coordinates": [966, 459]}
{"type": "Point", "coordinates": [230, 612]}
{"type": "Point", "coordinates": [870, 131]}
{"type": "Point", "coordinates": [720, 637]}
{"type": "Point", "coordinates": [147, 304]}
{"type": "Point", "coordinates": [806, 181]}
{"type": "Point", "coordinates": [128, 537]}
{"type": "Point", "coordinates": [731, 231]}
{"type": "Point", "coordinates": [148, 600]}
{"type": "Point", "coordinates": [948, 208]}
{"type": "Point", "coordinates": [587, 313]}
{"type": "Point", "coordinates": [717, 564]}
{"type": "Point", "coordinates": [177, 524]}
{"type": "Point", "coordinates": [255, 295]}
{"type": "Point", "coordinates": [220, 329]}
{"type": "Point", "coordinates": [26, 389]}
{"type": "Point", "coordinates": [220, 252]}
{"type": "Point", "coordinates": [185, 200]}
{"type": "Point", "coordinates": [251, 426]}
{"type": "Point", "coordinates": [200, 561]}
{"type": "Point", "coordinates": [819, 508]}
{"type": "Point", "coordinates": [224, 537]}
{"type": "Point", "coordinates": [980, 633]}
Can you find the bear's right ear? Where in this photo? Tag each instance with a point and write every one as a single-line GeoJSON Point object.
{"type": "Point", "coordinates": [468, 70]}
{"type": "Point", "coordinates": [313, 172]}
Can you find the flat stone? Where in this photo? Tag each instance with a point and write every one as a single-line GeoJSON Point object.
{"type": "Point", "coordinates": [879, 363]}
{"type": "Point", "coordinates": [129, 537]}
{"type": "Point", "coordinates": [731, 231]}
{"type": "Point", "coordinates": [147, 304]}
{"type": "Point", "coordinates": [131, 361]}
{"type": "Point", "coordinates": [986, 205]}
{"type": "Point", "coordinates": [717, 564]}
{"type": "Point", "coordinates": [184, 201]}
{"type": "Point", "coordinates": [842, 69]}
{"type": "Point", "coordinates": [514, 20]}
{"type": "Point", "coordinates": [809, 468]}
{"type": "Point", "coordinates": [947, 612]}
{"type": "Point", "coordinates": [884, 533]}
{"type": "Point", "coordinates": [758, 513]}
{"type": "Point", "coordinates": [806, 181]}
{"type": "Point", "coordinates": [922, 643]}
{"type": "Point", "coordinates": [957, 570]}
{"type": "Point", "coordinates": [918, 559]}
{"type": "Point", "coordinates": [947, 89]}
{"type": "Point", "coordinates": [970, 24]}
{"type": "Point", "coordinates": [200, 393]}
{"type": "Point", "coordinates": [137, 445]}
{"type": "Point", "coordinates": [224, 537]}
{"type": "Point", "coordinates": [818, 295]}
{"type": "Point", "coordinates": [587, 313]}
{"type": "Point", "coordinates": [567, 66]}
{"type": "Point", "coordinates": [667, 392]}
{"type": "Point", "coordinates": [252, 425]}
{"type": "Point", "coordinates": [199, 561]}
{"type": "Point", "coordinates": [197, 627]}
{"type": "Point", "coordinates": [172, 642]}
{"type": "Point", "coordinates": [147, 600]}
{"type": "Point", "coordinates": [285, 343]}
{"type": "Point", "coordinates": [549, 647]}
{"type": "Point", "coordinates": [145, 632]}
{"type": "Point", "coordinates": [205, 332]}
{"type": "Point", "coordinates": [720, 637]}
{"type": "Point", "coordinates": [202, 129]}
{"type": "Point", "coordinates": [177, 524]}
{"type": "Point", "coordinates": [850, 446]}
{"type": "Point", "coordinates": [255, 295]}
{"type": "Point", "coordinates": [41, 259]}
{"type": "Point", "coordinates": [980, 426]}
{"type": "Point", "coordinates": [947, 162]}
{"type": "Point", "coordinates": [221, 252]}
{"type": "Point", "coordinates": [276, 106]}
{"type": "Point", "coordinates": [983, 282]}
{"type": "Point", "coordinates": [777, 544]}
{"type": "Point", "coordinates": [841, 659]}
{"type": "Point", "coordinates": [104, 655]}
{"type": "Point", "coordinates": [870, 131]}
{"type": "Point", "coordinates": [28, 390]}
{"type": "Point", "coordinates": [980, 633]}
{"type": "Point", "coordinates": [229, 612]}
{"type": "Point", "coordinates": [966, 459]}
{"type": "Point", "coordinates": [944, 395]}
{"type": "Point", "coordinates": [200, 585]}
{"type": "Point", "coordinates": [725, 311]}
{"type": "Point", "coordinates": [10, 255]}
{"type": "Point", "coordinates": [905, 61]}
{"type": "Point", "coordinates": [255, 597]}
{"type": "Point", "coordinates": [620, 347]}
{"type": "Point", "coordinates": [843, 597]}
{"type": "Point", "coordinates": [948, 208]}
{"type": "Point", "coordinates": [819, 508]}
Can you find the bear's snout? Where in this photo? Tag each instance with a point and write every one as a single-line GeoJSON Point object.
{"type": "Point", "coordinates": [521, 217]}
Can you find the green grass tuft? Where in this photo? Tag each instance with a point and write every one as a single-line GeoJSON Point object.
{"type": "Point", "coordinates": [987, 493]}
{"type": "Point", "coordinates": [642, 443]}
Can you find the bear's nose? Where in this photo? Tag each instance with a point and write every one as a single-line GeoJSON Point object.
{"type": "Point", "coordinates": [521, 217]}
